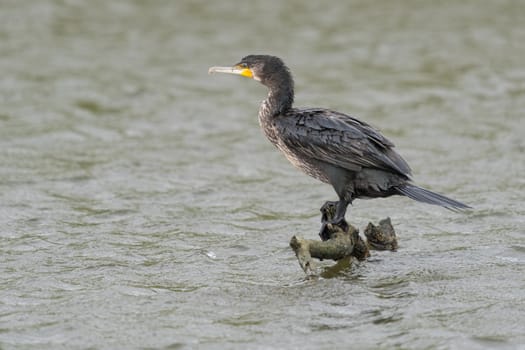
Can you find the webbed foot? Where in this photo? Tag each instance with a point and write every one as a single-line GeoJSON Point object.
{"type": "Point", "coordinates": [329, 220]}
{"type": "Point", "coordinates": [327, 228]}
{"type": "Point", "coordinates": [328, 210]}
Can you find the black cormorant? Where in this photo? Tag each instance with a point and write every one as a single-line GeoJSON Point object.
{"type": "Point", "coordinates": [332, 147]}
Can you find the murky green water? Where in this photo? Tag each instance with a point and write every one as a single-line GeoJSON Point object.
{"type": "Point", "coordinates": [141, 207]}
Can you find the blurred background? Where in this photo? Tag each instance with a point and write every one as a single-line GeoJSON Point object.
{"type": "Point", "coordinates": [141, 206]}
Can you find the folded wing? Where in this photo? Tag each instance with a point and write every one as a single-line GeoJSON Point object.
{"type": "Point", "coordinates": [339, 139]}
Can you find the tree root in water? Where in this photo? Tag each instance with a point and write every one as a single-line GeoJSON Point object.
{"type": "Point", "coordinates": [342, 241]}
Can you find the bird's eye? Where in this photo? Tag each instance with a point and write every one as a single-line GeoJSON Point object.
{"type": "Point", "coordinates": [244, 65]}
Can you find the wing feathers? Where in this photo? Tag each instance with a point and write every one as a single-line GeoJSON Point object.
{"type": "Point", "coordinates": [339, 139]}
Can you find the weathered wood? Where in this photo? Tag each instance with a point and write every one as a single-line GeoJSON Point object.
{"type": "Point", "coordinates": [342, 241]}
{"type": "Point", "coordinates": [382, 237]}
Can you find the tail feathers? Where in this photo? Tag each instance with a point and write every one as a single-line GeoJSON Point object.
{"type": "Point", "coordinates": [421, 195]}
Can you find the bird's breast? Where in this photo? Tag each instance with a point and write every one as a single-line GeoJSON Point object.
{"type": "Point", "coordinates": [294, 154]}
{"type": "Point", "coordinates": [306, 164]}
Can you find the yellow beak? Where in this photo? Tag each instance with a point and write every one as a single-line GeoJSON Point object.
{"type": "Point", "coordinates": [238, 70]}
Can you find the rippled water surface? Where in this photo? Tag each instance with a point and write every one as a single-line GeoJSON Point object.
{"type": "Point", "coordinates": [141, 207]}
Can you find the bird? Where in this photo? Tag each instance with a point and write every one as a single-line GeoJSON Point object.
{"type": "Point", "coordinates": [333, 147]}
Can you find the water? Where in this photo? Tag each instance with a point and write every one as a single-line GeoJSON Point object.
{"type": "Point", "coordinates": [141, 207]}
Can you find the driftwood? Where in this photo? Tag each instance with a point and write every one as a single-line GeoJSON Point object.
{"type": "Point", "coordinates": [341, 242]}
{"type": "Point", "coordinates": [382, 237]}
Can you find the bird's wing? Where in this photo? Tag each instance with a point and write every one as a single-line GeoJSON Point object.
{"type": "Point", "coordinates": [339, 139]}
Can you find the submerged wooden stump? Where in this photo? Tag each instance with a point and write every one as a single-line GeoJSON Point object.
{"type": "Point", "coordinates": [342, 241]}
{"type": "Point", "coordinates": [382, 237]}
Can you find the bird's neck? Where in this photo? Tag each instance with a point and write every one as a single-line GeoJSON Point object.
{"type": "Point", "coordinates": [280, 97]}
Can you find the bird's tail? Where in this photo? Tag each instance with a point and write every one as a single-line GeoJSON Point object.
{"type": "Point", "coordinates": [421, 195]}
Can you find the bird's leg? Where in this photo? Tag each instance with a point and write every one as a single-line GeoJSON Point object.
{"type": "Point", "coordinates": [340, 211]}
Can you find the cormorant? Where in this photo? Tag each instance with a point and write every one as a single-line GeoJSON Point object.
{"type": "Point", "coordinates": [330, 146]}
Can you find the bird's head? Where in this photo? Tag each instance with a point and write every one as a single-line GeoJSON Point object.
{"type": "Point", "coordinates": [263, 68]}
